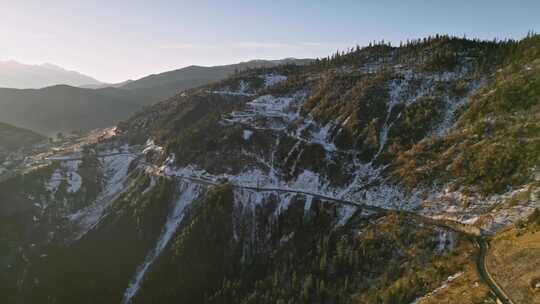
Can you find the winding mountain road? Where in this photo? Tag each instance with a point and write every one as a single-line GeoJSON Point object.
{"type": "Point", "coordinates": [443, 223]}
{"type": "Point", "coordinates": [468, 230]}
{"type": "Point", "coordinates": [483, 271]}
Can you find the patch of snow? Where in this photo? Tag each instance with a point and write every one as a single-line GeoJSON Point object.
{"type": "Point", "coordinates": [115, 170]}
{"type": "Point", "coordinates": [273, 79]}
{"type": "Point", "coordinates": [270, 106]}
{"type": "Point", "coordinates": [244, 87]}
{"type": "Point", "coordinates": [443, 286]}
{"type": "Point", "coordinates": [55, 181]}
{"type": "Point", "coordinates": [151, 185]}
{"type": "Point", "coordinates": [225, 92]}
{"type": "Point", "coordinates": [243, 90]}
{"type": "Point", "coordinates": [246, 135]}
{"type": "Point", "coordinates": [322, 137]}
{"type": "Point", "coordinates": [151, 146]}
{"type": "Point", "coordinates": [345, 213]}
{"type": "Point", "coordinates": [446, 240]}
{"type": "Point", "coordinates": [490, 213]}
{"type": "Point", "coordinates": [471, 220]}
{"type": "Point", "coordinates": [503, 218]}
{"type": "Point", "coordinates": [267, 112]}
{"type": "Point", "coordinates": [452, 106]}
{"type": "Point", "coordinates": [287, 238]}
{"type": "Point", "coordinates": [307, 204]}
{"type": "Point", "coordinates": [189, 193]}
{"type": "Point", "coordinates": [284, 202]}
{"type": "Point", "coordinates": [395, 90]}
{"type": "Point", "coordinates": [73, 179]}
{"type": "Point", "coordinates": [366, 181]}
{"type": "Point", "coordinates": [306, 183]}
{"type": "Point", "coordinates": [256, 185]}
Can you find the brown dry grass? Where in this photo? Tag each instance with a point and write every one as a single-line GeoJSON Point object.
{"type": "Point", "coordinates": [514, 260]}
{"type": "Point", "coordinates": [466, 289]}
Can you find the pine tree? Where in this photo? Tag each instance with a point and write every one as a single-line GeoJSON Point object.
{"type": "Point", "coordinates": [308, 287]}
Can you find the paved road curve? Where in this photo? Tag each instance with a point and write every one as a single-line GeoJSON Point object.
{"type": "Point", "coordinates": [483, 271]}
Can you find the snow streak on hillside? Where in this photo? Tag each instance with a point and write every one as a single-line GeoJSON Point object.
{"type": "Point", "coordinates": [67, 173]}
{"type": "Point", "coordinates": [115, 169]}
{"type": "Point", "coordinates": [189, 192]}
{"type": "Point", "coordinates": [245, 89]}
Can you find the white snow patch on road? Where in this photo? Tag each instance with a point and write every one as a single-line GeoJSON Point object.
{"type": "Point", "coordinates": [306, 183]}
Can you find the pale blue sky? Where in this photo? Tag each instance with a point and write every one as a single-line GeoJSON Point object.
{"type": "Point", "coordinates": [117, 40]}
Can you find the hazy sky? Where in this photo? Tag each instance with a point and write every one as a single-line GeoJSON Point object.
{"type": "Point", "coordinates": [117, 40]}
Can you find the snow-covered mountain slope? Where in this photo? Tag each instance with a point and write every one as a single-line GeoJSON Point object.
{"type": "Point", "coordinates": [277, 185]}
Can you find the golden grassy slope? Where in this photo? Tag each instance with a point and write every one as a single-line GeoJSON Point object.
{"type": "Point", "coordinates": [514, 261]}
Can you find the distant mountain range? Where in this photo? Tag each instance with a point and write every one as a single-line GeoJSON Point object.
{"type": "Point", "coordinates": [374, 176]}
{"type": "Point", "coordinates": [166, 84]}
{"type": "Point", "coordinates": [12, 138]}
{"type": "Point", "coordinates": [63, 108]}
{"type": "Point", "coordinates": [25, 76]}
